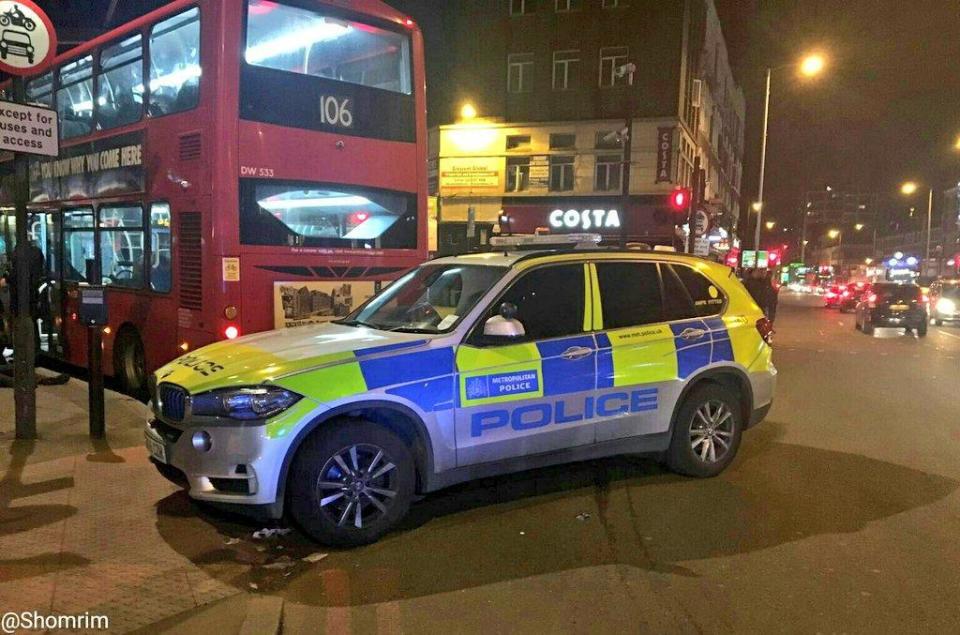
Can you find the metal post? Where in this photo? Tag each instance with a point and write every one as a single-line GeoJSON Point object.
{"type": "Point", "coordinates": [840, 251]}
{"type": "Point", "coordinates": [763, 161]}
{"type": "Point", "coordinates": [926, 258]}
{"type": "Point", "coordinates": [803, 240]}
{"type": "Point", "coordinates": [625, 181]}
{"type": "Point", "coordinates": [694, 203]}
{"type": "Point", "coordinates": [24, 346]}
{"type": "Point", "coordinates": [95, 382]}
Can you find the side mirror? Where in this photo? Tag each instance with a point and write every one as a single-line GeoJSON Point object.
{"type": "Point", "coordinates": [504, 327]}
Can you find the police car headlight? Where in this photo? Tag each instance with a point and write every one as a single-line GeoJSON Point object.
{"type": "Point", "coordinates": [946, 305]}
{"type": "Point", "coordinates": [244, 404]}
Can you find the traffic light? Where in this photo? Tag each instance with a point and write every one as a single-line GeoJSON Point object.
{"type": "Point", "coordinates": [680, 199]}
{"type": "Point", "coordinates": [773, 258]}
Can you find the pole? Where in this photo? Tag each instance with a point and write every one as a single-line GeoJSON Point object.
{"type": "Point", "coordinates": [694, 203]}
{"type": "Point", "coordinates": [763, 161]}
{"type": "Point", "coordinates": [803, 240]}
{"type": "Point", "coordinates": [840, 251]}
{"type": "Point", "coordinates": [625, 180]}
{"type": "Point", "coordinates": [24, 345]}
{"type": "Point", "coordinates": [929, 217]}
{"type": "Point", "coordinates": [95, 382]}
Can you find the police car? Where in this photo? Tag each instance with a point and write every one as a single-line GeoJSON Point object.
{"type": "Point", "coordinates": [467, 367]}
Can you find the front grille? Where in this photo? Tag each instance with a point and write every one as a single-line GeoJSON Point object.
{"type": "Point", "coordinates": [173, 402]}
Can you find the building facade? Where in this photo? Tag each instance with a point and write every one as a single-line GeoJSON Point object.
{"type": "Point", "coordinates": [555, 83]}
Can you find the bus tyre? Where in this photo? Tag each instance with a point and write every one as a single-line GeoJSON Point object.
{"type": "Point", "coordinates": [130, 365]}
{"type": "Point", "coordinates": [706, 432]}
{"type": "Point", "coordinates": [922, 329]}
{"type": "Point", "coordinates": [350, 482]}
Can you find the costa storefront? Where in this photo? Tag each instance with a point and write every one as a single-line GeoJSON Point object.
{"type": "Point", "coordinates": [646, 218]}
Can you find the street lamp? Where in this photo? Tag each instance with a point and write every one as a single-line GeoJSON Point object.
{"type": "Point", "coordinates": [810, 66]}
{"type": "Point", "coordinates": [468, 112]}
{"type": "Point", "coordinates": [771, 224]}
{"type": "Point", "coordinates": [910, 188]}
{"type": "Point", "coordinates": [836, 234]}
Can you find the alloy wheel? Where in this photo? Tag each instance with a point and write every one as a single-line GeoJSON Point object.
{"type": "Point", "coordinates": [711, 431]}
{"type": "Point", "coordinates": [357, 485]}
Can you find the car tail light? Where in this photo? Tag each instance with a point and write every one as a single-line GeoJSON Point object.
{"type": "Point", "coordinates": [765, 328]}
{"type": "Point", "coordinates": [924, 298]}
{"type": "Point", "coordinates": [845, 294]}
{"type": "Point", "coordinates": [831, 294]}
{"type": "Point", "coordinates": [872, 300]}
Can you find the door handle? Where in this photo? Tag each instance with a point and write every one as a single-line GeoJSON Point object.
{"type": "Point", "coordinates": [692, 334]}
{"type": "Point", "coordinates": [576, 352]}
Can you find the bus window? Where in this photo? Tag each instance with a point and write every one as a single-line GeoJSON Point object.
{"type": "Point", "coordinates": [75, 98]}
{"type": "Point", "coordinates": [40, 90]}
{"type": "Point", "coordinates": [78, 248]}
{"type": "Point", "coordinates": [120, 85]}
{"type": "Point", "coordinates": [326, 216]}
{"type": "Point", "coordinates": [175, 64]}
{"type": "Point", "coordinates": [160, 268]}
{"type": "Point", "coordinates": [121, 246]}
{"type": "Point", "coordinates": [311, 43]}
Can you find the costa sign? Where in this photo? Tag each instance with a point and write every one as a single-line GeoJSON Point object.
{"type": "Point", "coordinates": [584, 219]}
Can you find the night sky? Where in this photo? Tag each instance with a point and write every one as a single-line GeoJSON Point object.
{"type": "Point", "coordinates": [887, 109]}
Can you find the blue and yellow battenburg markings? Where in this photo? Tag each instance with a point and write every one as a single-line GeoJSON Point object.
{"type": "Point", "coordinates": [624, 359]}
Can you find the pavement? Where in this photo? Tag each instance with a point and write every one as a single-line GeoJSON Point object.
{"type": "Point", "coordinates": [839, 515]}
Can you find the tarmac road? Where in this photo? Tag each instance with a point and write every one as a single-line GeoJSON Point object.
{"type": "Point", "coordinates": [841, 514]}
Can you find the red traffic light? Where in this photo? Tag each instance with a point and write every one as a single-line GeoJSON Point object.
{"type": "Point", "coordinates": [680, 199]}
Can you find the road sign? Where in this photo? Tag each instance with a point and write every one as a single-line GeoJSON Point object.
{"type": "Point", "coordinates": [701, 247]}
{"type": "Point", "coordinates": [29, 129]}
{"type": "Point", "coordinates": [701, 223]}
{"type": "Point", "coordinates": [27, 39]}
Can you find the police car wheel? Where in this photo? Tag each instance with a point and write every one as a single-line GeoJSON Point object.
{"type": "Point", "coordinates": [706, 433]}
{"type": "Point", "coordinates": [350, 483]}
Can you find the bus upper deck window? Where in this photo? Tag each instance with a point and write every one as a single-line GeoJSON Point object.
{"type": "Point", "coordinates": [40, 89]}
{"type": "Point", "coordinates": [307, 42]}
{"type": "Point", "coordinates": [175, 63]}
{"type": "Point", "coordinates": [75, 98]}
{"type": "Point", "coordinates": [120, 99]}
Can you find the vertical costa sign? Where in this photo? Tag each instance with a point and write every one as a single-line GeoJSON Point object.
{"type": "Point", "coordinates": [28, 41]}
{"type": "Point", "coordinates": [664, 155]}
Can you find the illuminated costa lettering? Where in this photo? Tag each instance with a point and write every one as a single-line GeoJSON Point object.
{"type": "Point", "coordinates": [584, 219]}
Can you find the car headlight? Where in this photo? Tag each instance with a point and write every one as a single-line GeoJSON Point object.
{"type": "Point", "coordinates": [245, 404]}
{"type": "Point", "coordinates": [946, 305]}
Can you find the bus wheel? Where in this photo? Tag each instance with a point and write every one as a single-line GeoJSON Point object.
{"type": "Point", "coordinates": [130, 364]}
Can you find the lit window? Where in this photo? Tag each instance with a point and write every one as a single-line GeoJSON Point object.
{"type": "Point", "coordinates": [75, 98]}
{"type": "Point", "coordinates": [611, 59]}
{"type": "Point", "coordinates": [175, 63]}
{"type": "Point", "coordinates": [40, 90]}
{"type": "Point", "coordinates": [121, 246]}
{"type": "Point", "coordinates": [520, 72]}
{"type": "Point", "coordinates": [566, 69]}
{"type": "Point", "coordinates": [120, 85]}
{"type": "Point", "coordinates": [309, 42]}
{"type": "Point", "coordinates": [160, 254]}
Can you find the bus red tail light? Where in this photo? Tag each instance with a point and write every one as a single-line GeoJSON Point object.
{"type": "Point", "coordinates": [231, 332]}
{"type": "Point", "coordinates": [872, 300]}
{"type": "Point", "coordinates": [765, 328]}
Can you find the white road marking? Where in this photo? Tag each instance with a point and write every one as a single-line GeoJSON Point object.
{"type": "Point", "coordinates": [953, 335]}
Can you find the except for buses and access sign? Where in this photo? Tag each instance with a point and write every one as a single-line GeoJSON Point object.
{"type": "Point", "coordinates": [29, 129]}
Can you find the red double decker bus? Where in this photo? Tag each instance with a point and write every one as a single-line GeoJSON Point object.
{"type": "Point", "coordinates": [227, 166]}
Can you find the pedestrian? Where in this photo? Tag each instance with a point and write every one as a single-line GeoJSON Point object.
{"type": "Point", "coordinates": [36, 266]}
{"type": "Point", "coordinates": [772, 298]}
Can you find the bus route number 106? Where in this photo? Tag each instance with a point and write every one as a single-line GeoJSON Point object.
{"type": "Point", "coordinates": [335, 112]}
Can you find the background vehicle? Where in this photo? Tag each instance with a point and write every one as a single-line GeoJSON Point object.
{"type": "Point", "coordinates": [209, 207]}
{"type": "Point", "coordinates": [945, 301]}
{"type": "Point", "coordinates": [892, 305]}
{"type": "Point", "coordinates": [850, 296]}
{"type": "Point", "coordinates": [831, 296]}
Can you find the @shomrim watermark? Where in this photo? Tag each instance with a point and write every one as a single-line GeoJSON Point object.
{"type": "Point", "coordinates": [12, 621]}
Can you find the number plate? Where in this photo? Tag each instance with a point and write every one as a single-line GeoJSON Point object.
{"type": "Point", "coordinates": [898, 308]}
{"type": "Point", "coordinates": [157, 448]}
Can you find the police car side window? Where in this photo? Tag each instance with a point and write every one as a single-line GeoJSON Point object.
{"type": "Point", "coordinates": [677, 304]}
{"type": "Point", "coordinates": [706, 297]}
{"type": "Point", "coordinates": [630, 294]}
{"type": "Point", "coordinates": [549, 300]}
